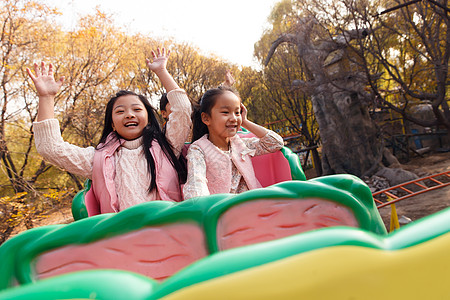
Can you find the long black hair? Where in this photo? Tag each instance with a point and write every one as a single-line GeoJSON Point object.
{"type": "Point", "coordinates": [204, 105]}
{"type": "Point", "coordinates": [151, 132]}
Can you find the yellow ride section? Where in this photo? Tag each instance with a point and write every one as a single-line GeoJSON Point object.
{"type": "Point", "coordinates": [342, 272]}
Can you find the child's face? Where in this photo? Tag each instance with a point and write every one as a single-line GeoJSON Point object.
{"type": "Point", "coordinates": [129, 117]}
{"type": "Point", "coordinates": [165, 113]}
{"type": "Point", "coordinates": [225, 118]}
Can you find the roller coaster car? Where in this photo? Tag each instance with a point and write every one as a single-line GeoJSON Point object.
{"type": "Point", "coordinates": [159, 247]}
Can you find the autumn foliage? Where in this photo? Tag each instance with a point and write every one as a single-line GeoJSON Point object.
{"type": "Point", "coordinates": [97, 59]}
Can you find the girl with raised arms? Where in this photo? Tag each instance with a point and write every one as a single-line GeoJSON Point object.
{"type": "Point", "coordinates": [134, 161]}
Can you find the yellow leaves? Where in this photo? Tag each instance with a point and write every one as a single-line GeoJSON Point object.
{"type": "Point", "coordinates": [85, 33]}
{"type": "Point", "coordinates": [28, 7]}
{"type": "Point", "coordinates": [56, 195]}
{"type": "Point", "coordinates": [33, 5]}
{"type": "Point", "coordinates": [9, 67]}
{"type": "Point", "coordinates": [17, 206]}
{"type": "Point", "coordinates": [6, 199]}
{"type": "Point", "coordinates": [26, 207]}
{"type": "Point", "coordinates": [91, 31]}
{"type": "Point", "coordinates": [100, 14]}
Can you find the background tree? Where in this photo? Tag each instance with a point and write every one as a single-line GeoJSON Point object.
{"type": "Point", "coordinates": [21, 26]}
{"type": "Point", "coordinates": [407, 49]}
{"type": "Point", "coordinates": [290, 108]}
{"type": "Point", "coordinates": [19, 40]}
{"type": "Point", "coordinates": [350, 139]}
{"type": "Point", "coordinates": [410, 44]}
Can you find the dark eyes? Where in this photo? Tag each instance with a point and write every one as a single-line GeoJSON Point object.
{"type": "Point", "coordinates": [226, 112]}
{"type": "Point", "coordinates": [121, 111]}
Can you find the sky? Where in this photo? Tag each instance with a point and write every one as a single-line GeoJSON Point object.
{"type": "Point", "coordinates": [228, 29]}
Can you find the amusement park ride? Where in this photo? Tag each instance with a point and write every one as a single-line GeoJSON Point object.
{"type": "Point", "coordinates": [292, 239]}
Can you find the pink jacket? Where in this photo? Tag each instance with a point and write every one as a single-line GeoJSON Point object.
{"type": "Point", "coordinates": [218, 165]}
{"type": "Point", "coordinates": [102, 197]}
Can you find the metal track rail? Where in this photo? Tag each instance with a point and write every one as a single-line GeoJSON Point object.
{"type": "Point", "coordinates": [403, 191]}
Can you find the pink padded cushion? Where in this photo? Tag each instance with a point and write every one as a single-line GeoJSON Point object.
{"type": "Point", "coordinates": [92, 205]}
{"type": "Point", "coordinates": [269, 219]}
{"type": "Point", "coordinates": [271, 168]}
{"type": "Point", "coordinates": [156, 252]}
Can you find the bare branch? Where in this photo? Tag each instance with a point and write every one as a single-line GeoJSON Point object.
{"type": "Point", "coordinates": [284, 38]}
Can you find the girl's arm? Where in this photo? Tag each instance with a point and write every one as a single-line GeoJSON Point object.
{"type": "Point", "coordinates": [46, 88]}
{"type": "Point", "coordinates": [196, 183]}
{"type": "Point", "coordinates": [179, 125]}
{"type": "Point", "coordinates": [256, 129]}
{"type": "Point", "coordinates": [266, 141]}
{"type": "Point", "coordinates": [159, 66]}
{"type": "Point", "coordinates": [51, 146]}
{"type": "Point", "coordinates": [47, 134]}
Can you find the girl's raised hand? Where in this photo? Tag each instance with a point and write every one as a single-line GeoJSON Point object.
{"type": "Point", "coordinates": [159, 60]}
{"type": "Point", "coordinates": [229, 79]}
{"type": "Point", "coordinates": [44, 81]}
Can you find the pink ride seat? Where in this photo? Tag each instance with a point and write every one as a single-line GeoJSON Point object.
{"type": "Point", "coordinates": [275, 167]}
{"type": "Point", "coordinates": [271, 168]}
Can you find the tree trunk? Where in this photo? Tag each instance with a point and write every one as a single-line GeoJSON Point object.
{"type": "Point", "coordinates": [350, 141]}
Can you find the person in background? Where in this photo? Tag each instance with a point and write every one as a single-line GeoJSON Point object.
{"type": "Point", "coordinates": [165, 107]}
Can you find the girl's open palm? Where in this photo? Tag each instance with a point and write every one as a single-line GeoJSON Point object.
{"type": "Point", "coordinates": [159, 60]}
{"type": "Point", "coordinates": [44, 81]}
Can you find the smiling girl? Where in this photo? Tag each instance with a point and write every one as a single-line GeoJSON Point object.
{"type": "Point", "coordinates": [134, 161]}
{"type": "Point", "coordinates": [219, 161]}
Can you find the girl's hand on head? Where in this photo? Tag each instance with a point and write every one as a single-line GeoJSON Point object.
{"type": "Point", "coordinates": [44, 81]}
{"type": "Point", "coordinates": [159, 60]}
{"type": "Point", "coordinates": [243, 113]}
